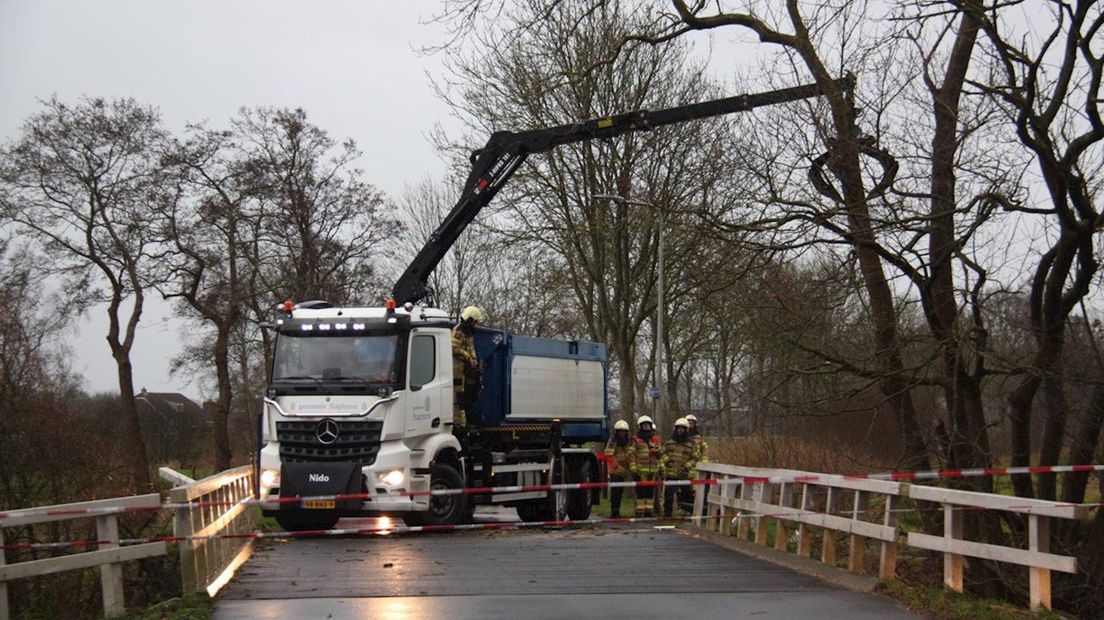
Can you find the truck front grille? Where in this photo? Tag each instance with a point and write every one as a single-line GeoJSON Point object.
{"type": "Point", "coordinates": [357, 441]}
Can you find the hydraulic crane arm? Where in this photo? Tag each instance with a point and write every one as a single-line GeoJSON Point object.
{"type": "Point", "coordinates": [505, 151]}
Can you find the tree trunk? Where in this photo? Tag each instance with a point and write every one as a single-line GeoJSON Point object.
{"type": "Point", "coordinates": [132, 428]}
{"type": "Point", "coordinates": [726, 406]}
{"type": "Point", "coordinates": [225, 398]}
{"type": "Point", "coordinates": [1085, 439]}
{"type": "Point", "coordinates": [969, 443]}
{"type": "Point", "coordinates": [894, 389]}
{"type": "Point", "coordinates": [1019, 415]}
{"type": "Point", "coordinates": [1049, 314]}
{"type": "Point", "coordinates": [844, 163]}
{"type": "Point", "coordinates": [266, 352]}
{"type": "Point", "coordinates": [627, 385]}
{"type": "Point", "coordinates": [1054, 427]}
{"type": "Point", "coordinates": [248, 398]}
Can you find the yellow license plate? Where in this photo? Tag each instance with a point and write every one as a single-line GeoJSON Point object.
{"type": "Point", "coordinates": [320, 504]}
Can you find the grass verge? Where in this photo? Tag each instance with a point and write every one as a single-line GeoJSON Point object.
{"type": "Point", "coordinates": [942, 604]}
{"type": "Point", "coordinates": [196, 606]}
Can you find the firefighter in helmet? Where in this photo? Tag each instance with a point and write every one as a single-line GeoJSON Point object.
{"type": "Point", "coordinates": [617, 463]}
{"type": "Point", "coordinates": [644, 464]}
{"type": "Point", "coordinates": [698, 439]}
{"type": "Point", "coordinates": [679, 460]}
{"type": "Point", "coordinates": [466, 380]}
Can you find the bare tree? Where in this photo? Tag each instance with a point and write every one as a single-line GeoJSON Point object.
{"type": "Point", "coordinates": [212, 225]}
{"type": "Point", "coordinates": [328, 223]}
{"type": "Point", "coordinates": [464, 275]}
{"type": "Point", "coordinates": [608, 248]}
{"type": "Point", "coordinates": [1052, 92]}
{"type": "Point", "coordinates": [84, 180]}
{"type": "Point", "coordinates": [33, 380]}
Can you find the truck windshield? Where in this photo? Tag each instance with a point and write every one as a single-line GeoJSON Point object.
{"type": "Point", "coordinates": [366, 359]}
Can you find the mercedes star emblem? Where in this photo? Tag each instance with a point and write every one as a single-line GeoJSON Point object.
{"type": "Point", "coordinates": [326, 432]}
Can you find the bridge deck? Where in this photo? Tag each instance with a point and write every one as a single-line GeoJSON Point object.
{"type": "Point", "coordinates": [607, 573]}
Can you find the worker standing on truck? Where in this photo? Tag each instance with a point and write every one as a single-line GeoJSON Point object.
{"type": "Point", "coordinates": [679, 460]}
{"type": "Point", "coordinates": [644, 464]}
{"type": "Point", "coordinates": [698, 439]}
{"type": "Point", "coordinates": [466, 381]}
{"type": "Point", "coordinates": [617, 463]}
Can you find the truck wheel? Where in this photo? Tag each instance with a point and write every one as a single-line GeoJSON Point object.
{"type": "Point", "coordinates": [300, 520]}
{"type": "Point", "coordinates": [527, 512]}
{"type": "Point", "coordinates": [446, 509]}
{"type": "Point", "coordinates": [578, 502]}
{"type": "Point", "coordinates": [539, 510]}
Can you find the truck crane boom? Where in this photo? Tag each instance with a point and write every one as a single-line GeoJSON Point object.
{"type": "Point", "coordinates": [505, 151]}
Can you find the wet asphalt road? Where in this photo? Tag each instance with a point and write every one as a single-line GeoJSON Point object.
{"type": "Point", "coordinates": [632, 572]}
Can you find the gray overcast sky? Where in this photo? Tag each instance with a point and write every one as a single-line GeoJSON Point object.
{"type": "Point", "coordinates": [350, 63]}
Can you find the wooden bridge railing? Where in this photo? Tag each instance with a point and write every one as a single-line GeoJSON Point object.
{"type": "Point", "coordinates": [109, 557]}
{"type": "Point", "coordinates": [865, 510]}
{"type": "Point", "coordinates": [209, 564]}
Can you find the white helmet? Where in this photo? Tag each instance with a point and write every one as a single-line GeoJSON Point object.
{"type": "Point", "coordinates": [642, 419]}
{"type": "Point", "coordinates": [682, 422]}
{"type": "Point", "coordinates": [621, 425]}
{"type": "Point", "coordinates": [691, 418]}
{"type": "Point", "coordinates": [472, 313]}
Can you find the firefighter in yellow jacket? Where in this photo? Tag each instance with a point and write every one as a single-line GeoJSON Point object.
{"type": "Point", "coordinates": [680, 460]}
{"type": "Point", "coordinates": [699, 440]}
{"type": "Point", "coordinates": [617, 463]}
{"type": "Point", "coordinates": [466, 381]}
{"type": "Point", "coordinates": [644, 464]}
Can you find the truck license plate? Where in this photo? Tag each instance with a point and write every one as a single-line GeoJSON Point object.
{"type": "Point", "coordinates": [320, 504]}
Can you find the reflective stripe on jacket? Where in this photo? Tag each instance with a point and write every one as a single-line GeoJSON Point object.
{"type": "Point", "coordinates": [644, 456]}
{"type": "Point", "coordinates": [680, 458]}
{"type": "Point", "coordinates": [463, 358]}
{"type": "Point", "coordinates": [703, 448]}
{"type": "Point", "coordinates": [617, 457]}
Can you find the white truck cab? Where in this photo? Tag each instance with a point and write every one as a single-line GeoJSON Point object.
{"type": "Point", "coordinates": [370, 387]}
{"type": "Point", "coordinates": [361, 403]}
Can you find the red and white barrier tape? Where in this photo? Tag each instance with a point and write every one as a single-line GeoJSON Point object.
{"type": "Point", "coordinates": [897, 476]}
{"type": "Point", "coordinates": [405, 529]}
{"type": "Point", "coordinates": [794, 513]}
{"type": "Point", "coordinates": [377, 530]}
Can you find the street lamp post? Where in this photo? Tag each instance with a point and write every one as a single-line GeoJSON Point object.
{"type": "Point", "coordinates": [660, 342]}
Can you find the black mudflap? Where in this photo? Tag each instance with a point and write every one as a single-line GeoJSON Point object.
{"type": "Point", "coordinates": [311, 479]}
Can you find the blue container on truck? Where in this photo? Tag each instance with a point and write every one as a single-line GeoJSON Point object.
{"type": "Point", "coordinates": [528, 381]}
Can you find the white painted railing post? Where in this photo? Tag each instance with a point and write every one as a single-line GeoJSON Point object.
{"type": "Point", "coordinates": [182, 527]}
{"type": "Point", "coordinates": [766, 496]}
{"type": "Point", "coordinates": [952, 562]}
{"type": "Point", "coordinates": [804, 530]}
{"type": "Point", "coordinates": [1038, 539]}
{"type": "Point", "coordinates": [699, 498]}
{"type": "Point", "coordinates": [111, 575]}
{"type": "Point", "coordinates": [745, 522]}
{"type": "Point", "coordinates": [856, 554]}
{"type": "Point", "coordinates": [831, 506]}
{"type": "Point", "coordinates": [887, 563]}
{"type": "Point", "coordinates": [781, 526]}
{"type": "Point", "coordinates": [720, 522]}
{"type": "Point", "coordinates": [724, 513]}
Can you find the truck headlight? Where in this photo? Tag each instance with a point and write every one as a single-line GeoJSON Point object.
{"type": "Point", "coordinates": [393, 478]}
{"type": "Point", "coordinates": [269, 478]}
